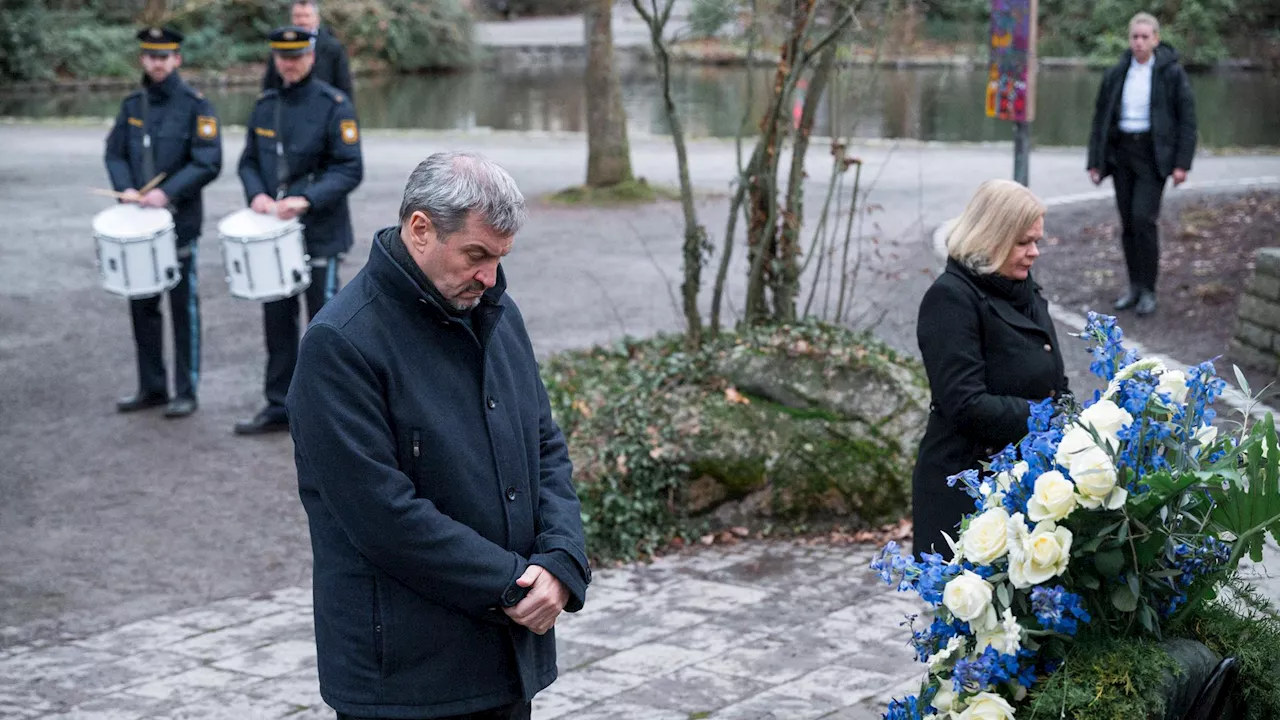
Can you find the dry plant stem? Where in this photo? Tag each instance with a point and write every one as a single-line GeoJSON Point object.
{"type": "Point", "coordinates": [848, 237]}
{"type": "Point", "coordinates": [787, 279]}
{"type": "Point", "coordinates": [731, 224]}
{"type": "Point", "coordinates": [820, 233]}
{"type": "Point", "coordinates": [694, 234]}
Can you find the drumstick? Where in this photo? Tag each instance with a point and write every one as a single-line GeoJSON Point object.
{"type": "Point", "coordinates": [154, 182]}
{"type": "Point", "coordinates": [106, 193]}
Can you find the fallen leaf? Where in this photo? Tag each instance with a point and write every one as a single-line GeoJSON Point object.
{"type": "Point", "coordinates": [733, 397]}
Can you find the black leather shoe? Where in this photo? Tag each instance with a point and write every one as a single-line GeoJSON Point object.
{"type": "Point", "coordinates": [266, 421]}
{"type": "Point", "coordinates": [180, 407]}
{"type": "Point", "coordinates": [141, 401]}
{"type": "Point", "coordinates": [1128, 300]}
{"type": "Point", "coordinates": [1146, 303]}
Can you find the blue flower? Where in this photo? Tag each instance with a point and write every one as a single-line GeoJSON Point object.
{"type": "Point", "coordinates": [992, 668]}
{"type": "Point", "coordinates": [1058, 610]}
{"type": "Point", "coordinates": [927, 577]}
{"type": "Point", "coordinates": [908, 708]}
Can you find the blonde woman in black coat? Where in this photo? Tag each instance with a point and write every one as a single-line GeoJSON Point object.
{"type": "Point", "coordinates": [989, 348]}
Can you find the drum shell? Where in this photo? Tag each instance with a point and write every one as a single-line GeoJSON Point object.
{"type": "Point", "coordinates": [266, 267]}
{"type": "Point", "coordinates": [138, 267]}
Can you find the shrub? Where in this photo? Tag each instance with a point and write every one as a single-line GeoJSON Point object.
{"type": "Point", "coordinates": [708, 17]}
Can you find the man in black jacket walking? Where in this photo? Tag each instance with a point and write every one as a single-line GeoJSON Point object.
{"type": "Point", "coordinates": [331, 63]}
{"type": "Point", "coordinates": [445, 529]}
{"type": "Point", "coordinates": [1144, 130]}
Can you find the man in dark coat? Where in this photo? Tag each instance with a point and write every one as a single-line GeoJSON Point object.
{"type": "Point", "coordinates": [301, 160]}
{"type": "Point", "coordinates": [1144, 130]}
{"type": "Point", "coordinates": [445, 529]}
{"type": "Point", "coordinates": [331, 58]}
{"type": "Point", "coordinates": [169, 127]}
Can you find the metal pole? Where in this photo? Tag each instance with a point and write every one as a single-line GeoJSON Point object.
{"type": "Point", "coordinates": [1022, 152]}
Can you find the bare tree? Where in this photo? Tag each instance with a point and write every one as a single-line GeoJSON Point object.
{"type": "Point", "coordinates": [608, 153]}
{"type": "Point", "coordinates": [695, 236]}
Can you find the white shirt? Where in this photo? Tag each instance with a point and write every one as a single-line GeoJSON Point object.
{"type": "Point", "coordinates": [1135, 100]}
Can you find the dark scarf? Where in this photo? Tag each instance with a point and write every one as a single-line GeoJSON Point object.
{"type": "Point", "coordinates": [391, 242]}
{"type": "Point", "coordinates": [1021, 294]}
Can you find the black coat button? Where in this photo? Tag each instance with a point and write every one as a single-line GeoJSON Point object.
{"type": "Point", "coordinates": [510, 597]}
{"type": "Point", "coordinates": [492, 403]}
{"type": "Point", "coordinates": [511, 493]}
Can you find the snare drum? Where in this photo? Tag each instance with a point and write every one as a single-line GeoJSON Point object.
{"type": "Point", "coordinates": [265, 257]}
{"type": "Point", "coordinates": [137, 250]}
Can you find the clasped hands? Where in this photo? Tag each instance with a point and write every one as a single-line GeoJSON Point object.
{"type": "Point", "coordinates": [285, 209]}
{"type": "Point", "coordinates": [544, 602]}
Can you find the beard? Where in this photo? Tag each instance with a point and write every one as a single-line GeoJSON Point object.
{"type": "Point", "coordinates": [464, 305]}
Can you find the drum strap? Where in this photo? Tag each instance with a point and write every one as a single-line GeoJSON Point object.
{"type": "Point", "coordinates": [148, 157]}
{"type": "Point", "coordinates": [282, 164]}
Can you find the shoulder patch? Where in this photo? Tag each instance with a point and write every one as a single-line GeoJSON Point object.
{"type": "Point", "coordinates": [136, 122]}
{"type": "Point", "coordinates": [207, 127]}
{"type": "Point", "coordinates": [350, 133]}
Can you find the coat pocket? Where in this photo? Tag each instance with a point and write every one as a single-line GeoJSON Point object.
{"type": "Point", "coordinates": [378, 633]}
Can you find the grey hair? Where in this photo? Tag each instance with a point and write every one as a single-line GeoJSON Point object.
{"type": "Point", "coordinates": [449, 185]}
{"type": "Point", "coordinates": [1144, 18]}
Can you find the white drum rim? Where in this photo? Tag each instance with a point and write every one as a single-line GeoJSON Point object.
{"type": "Point", "coordinates": [129, 209]}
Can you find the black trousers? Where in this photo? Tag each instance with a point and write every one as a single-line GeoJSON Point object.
{"type": "Point", "coordinates": [283, 331]}
{"type": "Point", "coordinates": [1139, 188]}
{"type": "Point", "coordinates": [515, 711]}
{"type": "Point", "coordinates": [148, 334]}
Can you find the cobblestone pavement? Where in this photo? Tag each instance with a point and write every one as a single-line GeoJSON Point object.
{"type": "Point", "coordinates": [629, 29]}
{"type": "Point", "coordinates": [777, 630]}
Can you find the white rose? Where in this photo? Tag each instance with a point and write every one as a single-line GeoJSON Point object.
{"type": "Point", "coordinates": [1053, 499]}
{"type": "Point", "coordinates": [1095, 477]}
{"type": "Point", "coordinates": [1006, 637]}
{"type": "Point", "coordinates": [1107, 419]}
{"type": "Point", "coordinates": [944, 700]}
{"type": "Point", "coordinates": [1045, 553]}
{"type": "Point", "coordinates": [968, 597]}
{"type": "Point", "coordinates": [987, 706]}
{"type": "Point", "coordinates": [983, 541]}
{"type": "Point", "coordinates": [939, 659]}
{"type": "Point", "coordinates": [1076, 441]}
{"type": "Point", "coordinates": [1174, 384]}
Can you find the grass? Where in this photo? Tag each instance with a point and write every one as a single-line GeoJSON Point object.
{"type": "Point", "coordinates": [628, 192]}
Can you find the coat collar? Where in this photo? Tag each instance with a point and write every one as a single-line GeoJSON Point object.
{"type": "Point", "coordinates": [399, 286]}
{"type": "Point", "coordinates": [1002, 308]}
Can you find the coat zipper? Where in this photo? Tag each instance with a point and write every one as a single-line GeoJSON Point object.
{"type": "Point", "coordinates": [377, 625]}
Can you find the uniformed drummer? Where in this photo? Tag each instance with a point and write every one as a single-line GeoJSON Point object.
{"type": "Point", "coordinates": [301, 159]}
{"type": "Point", "coordinates": [166, 127]}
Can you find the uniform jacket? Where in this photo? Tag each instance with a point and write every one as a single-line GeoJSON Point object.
{"type": "Point", "coordinates": [185, 142]}
{"type": "Point", "coordinates": [986, 362]}
{"type": "Point", "coordinates": [331, 65]}
{"type": "Point", "coordinates": [317, 126]}
{"type": "Point", "coordinates": [432, 474]}
{"type": "Point", "coordinates": [1173, 114]}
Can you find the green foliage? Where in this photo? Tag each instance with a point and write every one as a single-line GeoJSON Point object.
{"type": "Point", "coordinates": [1104, 678]}
{"type": "Point", "coordinates": [1248, 630]}
{"type": "Point", "coordinates": [36, 44]}
{"type": "Point", "coordinates": [708, 17]}
{"type": "Point", "coordinates": [409, 36]}
{"type": "Point", "coordinates": [633, 412]}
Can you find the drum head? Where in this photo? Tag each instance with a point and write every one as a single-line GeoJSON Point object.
{"type": "Point", "coordinates": [129, 220]}
{"type": "Point", "coordinates": [246, 223]}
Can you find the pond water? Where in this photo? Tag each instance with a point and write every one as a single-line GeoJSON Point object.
{"type": "Point", "coordinates": [1240, 109]}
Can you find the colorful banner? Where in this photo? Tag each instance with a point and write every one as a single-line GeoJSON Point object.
{"type": "Point", "coordinates": [1011, 75]}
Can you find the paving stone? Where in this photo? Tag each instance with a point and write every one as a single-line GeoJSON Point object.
{"type": "Point", "coordinates": [712, 637]}
{"type": "Point", "coordinates": [117, 706]}
{"type": "Point", "coordinates": [294, 623]}
{"type": "Point", "coordinates": [630, 626]}
{"type": "Point", "coordinates": [300, 595]}
{"type": "Point", "coordinates": [198, 681]}
{"type": "Point", "coordinates": [838, 685]}
{"type": "Point", "coordinates": [867, 710]}
{"type": "Point", "coordinates": [772, 705]}
{"type": "Point", "coordinates": [134, 637]}
{"type": "Point", "coordinates": [93, 681]}
{"type": "Point", "coordinates": [775, 661]}
{"type": "Point", "coordinates": [690, 690]}
{"type": "Point", "coordinates": [229, 612]}
{"type": "Point", "coordinates": [274, 660]}
{"type": "Point", "coordinates": [550, 704]}
{"type": "Point", "coordinates": [301, 689]}
{"type": "Point", "coordinates": [571, 655]}
{"type": "Point", "coordinates": [231, 706]}
{"type": "Point", "coordinates": [651, 659]}
{"type": "Point", "coordinates": [593, 684]}
{"type": "Point", "coordinates": [612, 710]}
{"type": "Point", "coordinates": [707, 596]}
{"type": "Point", "coordinates": [881, 618]}
{"type": "Point", "coordinates": [315, 712]}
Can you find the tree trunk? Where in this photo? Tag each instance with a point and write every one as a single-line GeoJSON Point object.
{"type": "Point", "coordinates": [608, 153]}
{"type": "Point", "coordinates": [153, 13]}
